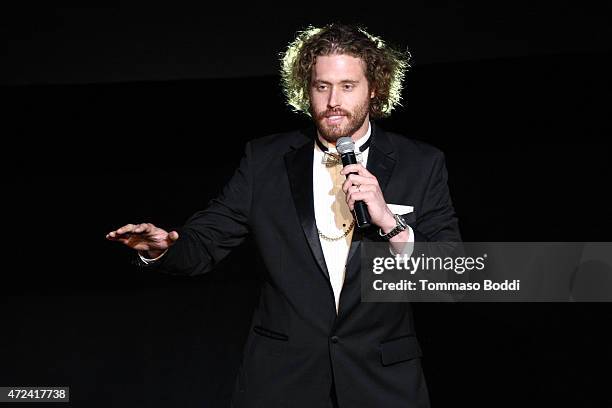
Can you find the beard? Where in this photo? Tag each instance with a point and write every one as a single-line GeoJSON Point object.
{"type": "Point", "coordinates": [346, 128]}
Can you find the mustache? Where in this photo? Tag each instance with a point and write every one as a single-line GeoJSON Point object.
{"type": "Point", "coordinates": [337, 112]}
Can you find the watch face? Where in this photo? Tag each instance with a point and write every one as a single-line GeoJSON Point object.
{"type": "Point", "coordinates": [401, 221]}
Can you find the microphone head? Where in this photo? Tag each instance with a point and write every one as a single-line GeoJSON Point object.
{"type": "Point", "coordinates": [345, 145]}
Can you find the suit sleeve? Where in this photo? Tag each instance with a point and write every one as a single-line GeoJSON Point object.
{"type": "Point", "coordinates": [437, 220]}
{"type": "Point", "coordinates": [209, 235]}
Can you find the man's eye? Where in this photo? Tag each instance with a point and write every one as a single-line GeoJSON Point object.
{"type": "Point", "coordinates": [322, 87]}
{"type": "Point", "coordinates": [348, 87]}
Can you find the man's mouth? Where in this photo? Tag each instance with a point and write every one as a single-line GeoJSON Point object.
{"type": "Point", "coordinates": [334, 119]}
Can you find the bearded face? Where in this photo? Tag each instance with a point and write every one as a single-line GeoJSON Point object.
{"type": "Point", "coordinates": [333, 124]}
{"type": "Point", "coordinates": [339, 97]}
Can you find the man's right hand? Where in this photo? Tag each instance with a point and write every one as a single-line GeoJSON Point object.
{"type": "Point", "coordinates": [147, 239]}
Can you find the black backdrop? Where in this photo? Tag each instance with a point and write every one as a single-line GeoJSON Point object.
{"type": "Point", "coordinates": [525, 138]}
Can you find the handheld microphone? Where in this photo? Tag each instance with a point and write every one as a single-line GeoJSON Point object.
{"type": "Point", "coordinates": [346, 149]}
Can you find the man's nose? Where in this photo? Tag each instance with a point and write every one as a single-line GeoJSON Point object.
{"type": "Point", "coordinates": [334, 99]}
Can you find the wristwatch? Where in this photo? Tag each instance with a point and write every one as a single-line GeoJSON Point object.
{"type": "Point", "coordinates": [400, 225]}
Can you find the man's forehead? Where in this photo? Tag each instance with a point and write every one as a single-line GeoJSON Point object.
{"type": "Point", "coordinates": [338, 66]}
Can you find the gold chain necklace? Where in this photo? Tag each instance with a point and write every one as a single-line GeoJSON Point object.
{"type": "Point", "coordinates": [331, 239]}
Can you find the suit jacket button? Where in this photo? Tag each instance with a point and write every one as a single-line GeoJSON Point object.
{"type": "Point", "coordinates": [334, 339]}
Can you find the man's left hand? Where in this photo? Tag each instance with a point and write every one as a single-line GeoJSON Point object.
{"type": "Point", "coordinates": [363, 186]}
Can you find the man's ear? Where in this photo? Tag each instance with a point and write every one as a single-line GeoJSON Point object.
{"type": "Point", "coordinates": [372, 94]}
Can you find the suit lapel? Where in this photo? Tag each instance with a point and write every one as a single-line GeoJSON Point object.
{"type": "Point", "coordinates": [299, 170]}
{"type": "Point", "coordinates": [381, 158]}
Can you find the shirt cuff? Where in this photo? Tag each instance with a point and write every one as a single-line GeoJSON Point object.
{"type": "Point", "coordinates": [147, 261]}
{"type": "Point", "coordinates": [410, 234]}
{"type": "Point", "coordinates": [407, 248]}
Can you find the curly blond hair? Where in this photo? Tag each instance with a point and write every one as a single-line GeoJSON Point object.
{"type": "Point", "coordinates": [385, 66]}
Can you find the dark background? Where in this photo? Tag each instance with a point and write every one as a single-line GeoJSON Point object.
{"type": "Point", "coordinates": [140, 115]}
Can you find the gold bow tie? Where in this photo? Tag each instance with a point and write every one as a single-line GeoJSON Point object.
{"type": "Point", "coordinates": [333, 159]}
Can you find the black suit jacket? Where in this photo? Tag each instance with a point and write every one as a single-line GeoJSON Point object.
{"type": "Point", "coordinates": [297, 344]}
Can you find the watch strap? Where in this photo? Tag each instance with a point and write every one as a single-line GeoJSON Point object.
{"type": "Point", "coordinates": [400, 225]}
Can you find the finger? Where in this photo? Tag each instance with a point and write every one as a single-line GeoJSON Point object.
{"type": "Point", "coordinates": [356, 168]}
{"type": "Point", "coordinates": [351, 168]}
{"type": "Point", "coordinates": [118, 238]}
{"type": "Point", "coordinates": [142, 228]}
{"type": "Point", "coordinates": [125, 229]}
{"type": "Point", "coordinates": [357, 196]}
{"type": "Point", "coordinates": [173, 236]}
{"type": "Point", "coordinates": [366, 186]}
{"type": "Point", "coordinates": [357, 179]}
{"type": "Point", "coordinates": [114, 235]}
{"type": "Point", "coordinates": [360, 188]}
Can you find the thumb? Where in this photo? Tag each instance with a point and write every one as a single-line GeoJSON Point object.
{"type": "Point", "coordinates": [172, 237]}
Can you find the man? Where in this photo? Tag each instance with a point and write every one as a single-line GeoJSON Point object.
{"type": "Point", "coordinates": [312, 342]}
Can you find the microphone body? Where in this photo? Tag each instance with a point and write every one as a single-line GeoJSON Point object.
{"type": "Point", "coordinates": [347, 154]}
